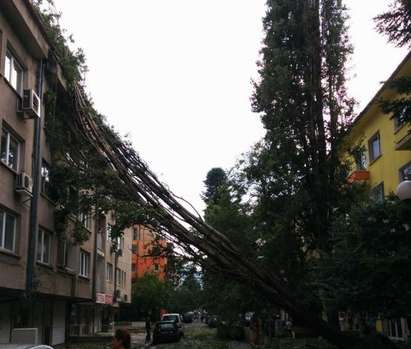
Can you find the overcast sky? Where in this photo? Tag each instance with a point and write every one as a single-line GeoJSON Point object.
{"type": "Point", "coordinates": [176, 76]}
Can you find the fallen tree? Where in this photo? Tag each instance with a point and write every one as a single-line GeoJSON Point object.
{"type": "Point", "coordinates": [187, 227]}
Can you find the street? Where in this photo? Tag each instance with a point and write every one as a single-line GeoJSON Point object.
{"type": "Point", "coordinates": [196, 336]}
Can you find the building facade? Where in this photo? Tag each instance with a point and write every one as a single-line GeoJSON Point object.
{"type": "Point", "coordinates": [148, 253]}
{"type": "Point", "coordinates": [383, 142]}
{"type": "Point", "coordinates": [68, 290]}
{"type": "Point", "coordinates": [382, 159]}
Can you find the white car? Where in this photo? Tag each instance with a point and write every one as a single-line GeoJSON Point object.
{"type": "Point", "coordinates": [24, 346]}
{"type": "Point", "coordinates": [177, 318]}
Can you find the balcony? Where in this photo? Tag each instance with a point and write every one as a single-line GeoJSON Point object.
{"type": "Point", "coordinates": [358, 175]}
{"type": "Point", "coordinates": [404, 143]}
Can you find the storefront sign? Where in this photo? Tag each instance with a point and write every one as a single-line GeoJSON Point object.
{"type": "Point", "coordinates": [109, 299]}
{"type": "Point", "coordinates": [101, 298]}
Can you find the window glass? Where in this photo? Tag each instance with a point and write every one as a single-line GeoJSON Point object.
{"type": "Point", "coordinates": [377, 193]}
{"type": "Point", "coordinates": [375, 147]}
{"type": "Point", "coordinates": [43, 246]}
{"type": "Point", "coordinates": [9, 149]}
{"type": "Point", "coordinates": [1, 227]}
{"type": "Point", "coordinates": [3, 146]}
{"type": "Point", "coordinates": [9, 233]}
{"type": "Point", "coordinates": [13, 72]}
{"type": "Point", "coordinates": [7, 67]}
{"type": "Point", "coordinates": [84, 263]}
{"type": "Point", "coordinates": [405, 172]}
{"type": "Point", "coordinates": [46, 248]}
{"type": "Point", "coordinates": [45, 177]}
{"type": "Point", "coordinates": [13, 153]}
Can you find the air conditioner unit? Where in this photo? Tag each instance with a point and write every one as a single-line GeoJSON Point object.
{"type": "Point", "coordinates": [24, 184]}
{"type": "Point", "coordinates": [25, 335]}
{"type": "Point", "coordinates": [31, 104]}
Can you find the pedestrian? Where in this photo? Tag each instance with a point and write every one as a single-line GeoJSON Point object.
{"type": "Point", "coordinates": [148, 329]}
{"type": "Point", "coordinates": [121, 340]}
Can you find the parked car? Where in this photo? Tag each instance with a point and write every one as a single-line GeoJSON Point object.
{"type": "Point", "coordinates": [166, 331]}
{"type": "Point", "coordinates": [24, 346]}
{"type": "Point", "coordinates": [212, 321]}
{"type": "Point", "coordinates": [177, 318]}
{"type": "Point", "coordinates": [188, 317]}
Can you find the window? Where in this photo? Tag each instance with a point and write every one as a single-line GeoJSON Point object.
{"type": "Point", "coordinates": [360, 158]}
{"type": "Point", "coordinates": [62, 253]}
{"type": "Point", "coordinates": [374, 147]}
{"type": "Point", "coordinates": [43, 246]}
{"type": "Point", "coordinates": [84, 263]}
{"type": "Point", "coordinates": [13, 72]}
{"type": "Point", "coordinates": [377, 193]}
{"type": "Point", "coordinates": [7, 231]}
{"type": "Point", "coordinates": [45, 177]}
{"type": "Point", "coordinates": [136, 233]}
{"type": "Point", "coordinates": [123, 279]}
{"type": "Point", "coordinates": [405, 172]}
{"type": "Point", "coordinates": [9, 149]}
{"type": "Point", "coordinates": [120, 243]}
{"type": "Point", "coordinates": [108, 231]}
{"type": "Point", "coordinates": [118, 276]}
{"type": "Point", "coordinates": [109, 272]}
{"type": "Point", "coordinates": [85, 218]}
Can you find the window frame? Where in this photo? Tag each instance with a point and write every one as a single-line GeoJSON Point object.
{"type": "Point", "coordinates": [372, 157]}
{"type": "Point", "coordinates": [109, 272]}
{"type": "Point", "coordinates": [86, 219]}
{"type": "Point", "coordinates": [11, 134]}
{"type": "Point", "coordinates": [4, 214]}
{"type": "Point", "coordinates": [14, 62]}
{"type": "Point", "coordinates": [402, 169]}
{"type": "Point", "coordinates": [373, 192]}
{"type": "Point", "coordinates": [84, 268]}
{"type": "Point", "coordinates": [45, 180]}
{"type": "Point", "coordinates": [44, 232]}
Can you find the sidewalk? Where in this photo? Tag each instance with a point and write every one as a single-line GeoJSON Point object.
{"type": "Point", "coordinates": [238, 345]}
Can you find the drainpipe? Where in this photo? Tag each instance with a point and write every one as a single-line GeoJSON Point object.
{"type": "Point", "coordinates": [36, 175]}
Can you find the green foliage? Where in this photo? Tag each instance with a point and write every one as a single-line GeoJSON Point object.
{"type": "Point", "coordinates": [72, 62]}
{"type": "Point", "coordinates": [396, 23]}
{"type": "Point", "coordinates": [187, 296]}
{"type": "Point", "coordinates": [215, 178]}
{"type": "Point", "coordinates": [368, 269]}
{"type": "Point", "coordinates": [149, 295]}
{"type": "Point", "coordinates": [226, 212]}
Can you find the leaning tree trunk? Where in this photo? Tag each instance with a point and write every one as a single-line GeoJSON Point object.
{"type": "Point", "coordinates": [189, 229]}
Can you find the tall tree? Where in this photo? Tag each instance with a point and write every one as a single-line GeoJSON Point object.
{"type": "Point", "coordinates": [396, 25]}
{"type": "Point", "coordinates": [301, 96]}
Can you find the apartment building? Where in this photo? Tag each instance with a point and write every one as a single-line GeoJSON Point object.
{"type": "Point", "coordinates": [383, 160]}
{"type": "Point", "coordinates": [69, 289]}
{"type": "Point", "coordinates": [148, 253]}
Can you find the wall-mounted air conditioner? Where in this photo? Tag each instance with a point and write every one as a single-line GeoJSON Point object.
{"type": "Point", "coordinates": [24, 183]}
{"type": "Point", "coordinates": [31, 104]}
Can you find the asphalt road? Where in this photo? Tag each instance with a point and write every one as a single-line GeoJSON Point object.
{"type": "Point", "coordinates": [196, 336]}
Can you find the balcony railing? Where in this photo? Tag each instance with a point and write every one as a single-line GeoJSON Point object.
{"type": "Point", "coordinates": [358, 175]}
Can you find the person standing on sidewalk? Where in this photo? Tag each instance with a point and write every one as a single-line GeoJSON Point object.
{"type": "Point", "coordinates": [148, 329]}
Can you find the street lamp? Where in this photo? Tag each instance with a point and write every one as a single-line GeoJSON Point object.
{"type": "Point", "coordinates": [404, 188]}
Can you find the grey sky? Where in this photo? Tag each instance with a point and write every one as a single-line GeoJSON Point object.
{"type": "Point", "coordinates": [175, 75]}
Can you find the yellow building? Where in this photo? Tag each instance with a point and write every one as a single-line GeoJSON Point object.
{"type": "Point", "coordinates": [382, 159]}
{"type": "Point", "coordinates": [383, 141]}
